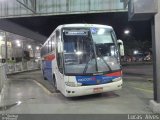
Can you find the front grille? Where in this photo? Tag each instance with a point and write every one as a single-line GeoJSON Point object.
{"type": "Point", "coordinates": [83, 84]}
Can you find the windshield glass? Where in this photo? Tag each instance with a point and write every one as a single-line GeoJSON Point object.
{"type": "Point", "coordinates": [106, 50]}
{"type": "Point", "coordinates": [89, 51]}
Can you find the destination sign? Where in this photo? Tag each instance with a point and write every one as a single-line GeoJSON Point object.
{"type": "Point", "coordinates": [76, 32]}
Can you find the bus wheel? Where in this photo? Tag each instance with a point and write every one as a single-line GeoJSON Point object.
{"type": "Point", "coordinates": [55, 83]}
{"type": "Point", "coordinates": [45, 78]}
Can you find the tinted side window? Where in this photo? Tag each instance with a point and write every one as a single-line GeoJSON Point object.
{"type": "Point", "coordinates": [45, 49]}
{"type": "Point", "coordinates": [53, 42]}
{"type": "Point", "coordinates": [49, 46]}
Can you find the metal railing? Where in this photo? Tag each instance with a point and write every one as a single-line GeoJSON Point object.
{"type": "Point", "coordinates": [20, 67]}
{"type": "Point", "coordinates": [10, 68]}
{"type": "Point", "coordinates": [3, 76]}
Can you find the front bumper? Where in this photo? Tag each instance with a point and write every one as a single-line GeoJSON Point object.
{"type": "Point", "coordinates": [86, 90]}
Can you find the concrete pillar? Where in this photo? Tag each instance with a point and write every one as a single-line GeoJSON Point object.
{"type": "Point", "coordinates": [155, 104]}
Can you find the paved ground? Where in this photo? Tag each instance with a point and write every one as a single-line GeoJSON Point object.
{"type": "Point", "coordinates": [23, 94]}
{"type": "Point", "coordinates": [139, 70]}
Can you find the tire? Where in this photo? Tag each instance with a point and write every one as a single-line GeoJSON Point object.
{"type": "Point", "coordinates": [43, 76]}
{"type": "Point", "coordinates": [55, 83]}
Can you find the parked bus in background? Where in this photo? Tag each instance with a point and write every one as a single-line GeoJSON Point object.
{"type": "Point", "coordinates": [82, 59]}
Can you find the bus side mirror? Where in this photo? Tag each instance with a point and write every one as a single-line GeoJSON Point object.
{"type": "Point", "coordinates": [121, 47]}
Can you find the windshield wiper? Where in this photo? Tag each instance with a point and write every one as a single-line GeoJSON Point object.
{"type": "Point", "coordinates": [93, 49]}
{"type": "Point", "coordinates": [100, 55]}
{"type": "Point", "coordinates": [86, 66]}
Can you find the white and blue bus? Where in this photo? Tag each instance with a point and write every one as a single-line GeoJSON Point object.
{"type": "Point", "coordinates": [82, 59]}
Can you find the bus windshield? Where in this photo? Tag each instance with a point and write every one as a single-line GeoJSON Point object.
{"type": "Point", "coordinates": [89, 51]}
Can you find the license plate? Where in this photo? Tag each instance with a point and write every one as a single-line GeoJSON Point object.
{"type": "Point", "coordinates": [98, 90]}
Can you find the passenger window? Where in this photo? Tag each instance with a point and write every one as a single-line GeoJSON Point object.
{"type": "Point", "coordinates": [59, 52]}
{"type": "Point", "coordinates": [45, 49]}
{"type": "Point", "coordinates": [50, 45]}
{"type": "Point", "coordinates": [53, 42]}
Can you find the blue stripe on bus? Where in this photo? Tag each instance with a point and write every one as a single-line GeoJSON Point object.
{"type": "Point", "coordinates": [94, 80]}
{"type": "Point", "coordinates": [47, 68]}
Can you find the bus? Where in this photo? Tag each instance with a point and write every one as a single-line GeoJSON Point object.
{"type": "Point", "coordinates": [82, 59]}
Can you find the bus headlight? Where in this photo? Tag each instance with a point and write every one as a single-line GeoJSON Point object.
{"type": "Point", "coordinates": [71, 84]}
{"type": "Point", "coordinates": [117, 79]}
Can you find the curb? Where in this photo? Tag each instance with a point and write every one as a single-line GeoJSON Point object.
{"type": "Point", "coordinates": [23, 71]}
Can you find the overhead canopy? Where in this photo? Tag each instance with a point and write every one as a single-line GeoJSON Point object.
{"type": "Point", "coordinates": [20, 30]}
{"type": "Point", "coordinates": [23, 8]}
{"type": "Point", "coordinates": [142, 9]}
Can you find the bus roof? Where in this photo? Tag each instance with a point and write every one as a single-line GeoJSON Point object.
{"type": "Point", "coordinates": [84, 25]}
{"type": "Point", "coordinates": [75, 25]}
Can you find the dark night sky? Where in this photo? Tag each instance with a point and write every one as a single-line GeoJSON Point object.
{"type": "Point", "coordinates": [141, 30]}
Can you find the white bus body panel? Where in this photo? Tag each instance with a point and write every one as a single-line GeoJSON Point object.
{"type": "Point", "coordinates": [59, 77]}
